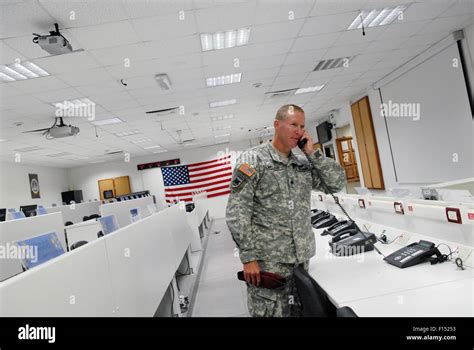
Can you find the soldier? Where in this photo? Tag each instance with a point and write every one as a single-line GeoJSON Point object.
{"type": "Point", "coordinates": [269, 208]}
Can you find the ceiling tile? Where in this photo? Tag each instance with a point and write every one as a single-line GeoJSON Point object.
{"type": "Point", "coordinates": [275, 31]}
{"type": "Point", "coordinates": [71, 62]}
{"type": "Point", "coordinates": [105, 35]}
{"type": "Point", "coordinates": [164, 27]}
{"type": "Point", "coordinates": [315, 42]}
{"type": "Point", "coordinates": [86, 77]}
{"type": "Point", "coordinates": [327, 24]}
{"type": "Point", "coordinates": [30, 86]}
{"type": "Point", "coordinates": [33, 19]}
{"type": "Point", "coordinates": [231, 16]}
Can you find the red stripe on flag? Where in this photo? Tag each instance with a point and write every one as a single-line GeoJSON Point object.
{"type": "Point", "coordinates": [191, 193]}
{"type": "Point", "coordinates": [209, 167]}
{"type": "Point", "coordinates": [218, 194]}
{"type": "Point", "coordinates": [207, 173]}
{"type": "Point", "coordinates": [173, 190]}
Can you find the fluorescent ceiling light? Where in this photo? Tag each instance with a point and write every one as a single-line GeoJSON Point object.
{"type": "Point", "coordinates": [224, 80]}
{"type": "Point", "coordinates": [223, 135]}
{"type": "Point", "coordinates": [309, 89]}
{"type": "Point", "coordinates": [27, 149]}
{"type": "Point", "coordinates": [225, 40]}
{"type": "Point", "coordinates": [107, 121]}
{"type": "Point", "coordinates": [222, 103]}
{"type": "Point", "coordinates": [62, 154]}
{"type": "Point", "coordinates": [151, 147]}
{"type": "Point", "coordinates": [222, 117]}
{"type": "Point", "coordinates": [221, 128]}
{"type": "Point", "coordinates": [142, 141]}
{"type": "Point", "coordinates": [162, 151]}
{"type": "Point", "coordinates": [127, 133]}
{"type": "Point", "coordinates": [222, 141]}
{"type": "Point", "coordinates": [377, 17]}
{"type": "Point", "coordinates": [21, 71]}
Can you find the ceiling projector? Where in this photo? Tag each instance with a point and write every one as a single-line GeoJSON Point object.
{"type": "Point", "coordinates": [63, 131]}
{"type": "Point", "coordinates": [54, 43]}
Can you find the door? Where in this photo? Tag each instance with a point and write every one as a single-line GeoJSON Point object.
{"type": "Point", "coordinates": [106, 185]}
{"type": "Point", "coordinates": [347, 158]}
{"type": "Point", "coordinates": [122, 185]}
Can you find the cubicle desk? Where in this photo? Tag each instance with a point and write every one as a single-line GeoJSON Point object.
{"type": "Point", "coordinates": [75, 212]}
{"type": "Point", "coordinates": [365, 281]}
{"type": "Point", "coordinates": [121, 209]}
{"type": "Point", "coordinates": [125, 273]}
{"type": "Point", "coordinates": [84, 231]}
{"type": "Point", "coordinates": [15, 230]}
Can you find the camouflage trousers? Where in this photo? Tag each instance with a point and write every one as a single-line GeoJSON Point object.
{"type": "Point", "coordinates": [281, 302]}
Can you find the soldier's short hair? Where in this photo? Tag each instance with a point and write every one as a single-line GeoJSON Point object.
{"type": "Point", "coordinates": [286, 110]}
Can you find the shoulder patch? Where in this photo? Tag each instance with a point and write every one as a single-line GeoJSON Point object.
{"type": "Point", "coordinates": [247, 170]}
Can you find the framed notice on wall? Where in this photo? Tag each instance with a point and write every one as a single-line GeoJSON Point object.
{"type": "Point", "coordinates": [34, 185]}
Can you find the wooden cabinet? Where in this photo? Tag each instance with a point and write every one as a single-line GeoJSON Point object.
{"type": "Point", "coordinates": [367, 144]}
{"type": "Point", "coordinates": [118, 185]}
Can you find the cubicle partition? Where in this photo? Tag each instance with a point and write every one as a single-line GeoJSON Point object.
{"type": "Point", "coordinates": [75, 212]}
{"type": "Point", "coordinates": [121, 210]}
{"type": "Point", "coordinates": [125, 273]}
{"type": "Point", "coordinates": [21, 229]}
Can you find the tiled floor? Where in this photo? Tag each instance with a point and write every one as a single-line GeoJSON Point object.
{"type": "Point", "coordinates": [219, 293]}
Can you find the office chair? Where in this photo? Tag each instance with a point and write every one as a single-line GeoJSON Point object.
{"type": "Point", "coordinates": [78, 244]}
{"type": "Point", "coordinates": [314, 300]}
{"type": "Point", "coordinates": [68, 223]}
{"type": "Point", "coordinates": [94, 216]}
{"type": "Point", "coordinates": [100, 234]}
{"type": "Point", "coordinates": [85, 218]}
{"type": "Point", "coordinates": [345, 311]}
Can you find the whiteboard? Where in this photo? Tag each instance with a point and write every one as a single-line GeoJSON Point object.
{"type": "Point", "coordinates": [426, 150]}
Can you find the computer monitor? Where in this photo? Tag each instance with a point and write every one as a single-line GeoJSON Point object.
{"type": "Point", "coordinates": [11, 210]}
{"type": "Point", "coordinates": [109, 224]}
{"type": "Point", "coordinates": [37, 250]}
{"type": "Point", "coordinates": [3, 214]}
{"type": "Point", "coordinates": [17, 215]}
{"type": "Point", "coordinates": [108, 194]}
{"type": "Point", "coordinates": [29, 210]}
{"type": "Point", "coordinates": [41, 211]}
{"type": "Point", "coordinates": [134, 215]}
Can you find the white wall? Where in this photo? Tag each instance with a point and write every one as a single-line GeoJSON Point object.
{"type": "Point", "coordinates": [15, 185]}
{"type": "Point", "coordinates": [85, 178]}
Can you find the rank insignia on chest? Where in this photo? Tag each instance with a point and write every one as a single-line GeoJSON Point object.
{"type": "Point", "coordinates": [247, 170]}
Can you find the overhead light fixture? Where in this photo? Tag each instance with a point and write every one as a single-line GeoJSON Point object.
{"type": "Point", "coordinates": [127, 133]}
{"type": "Point", "coordinates": [225, 40]}
{"type": "Point", "coordinates": [151, 147]}
{"type": "Point", "coordinates": [142, 141]}
{"type": "Point", "coordinates": [162, 151]}
{"type": "Point", "coordinates": [224, 80]}
{"type": "Point", "coordinates": [56, 155]}
{"type": "Point", "coordinates": [21, 71]}
{"type": "Point", "coordinates": [221, 128]}
{"type": "Point", "coordinates": [222, 103]}
{"type": "Point", "coordinates": [223, 135]}
{"type": "Point", "coordinates": [309, 89]}
{"type": "Point", "coordinates": [222, 141]}
{"type": "Point", "coordinates": [163, 81]}
{"type": "Point", "coordinates": [107, 121]}
{"type": "Point", "coordinates": [377, 17]}
{"type": "Point", "coordinates": [27, 149]}
{"type": "Point", "coordinates": [222, 117]}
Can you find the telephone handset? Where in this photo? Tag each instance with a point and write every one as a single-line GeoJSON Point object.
{"type": "Point", "coordinates": [325, 221]}
{"type": "Point", "coordinates": [413, 254]}
{"type": "Point", "coordinates": [344, 234]}
{"type": "Point", "coordinates": [318, 216]}
{"type": "Point", "coordinates": [302, 143]}
{"type": "Point", "coordinates": [339, 227]}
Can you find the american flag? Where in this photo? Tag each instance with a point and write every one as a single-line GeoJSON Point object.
{"type": "Point", "coordinates": [184, 181]}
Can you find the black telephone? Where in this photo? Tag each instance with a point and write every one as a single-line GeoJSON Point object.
{"type": "Point", "coordinates": [352, 242]}
{"type": "Point", "coordinates": [325, 221]}
{"type": "Point", "coordinates": [413, 254]}
{"type": "Point", "coordinates": [338, 227]}
{"type": "Point", "coordinates": [318, 215]}
{"type": "Point", "coordinates": [302, 143]}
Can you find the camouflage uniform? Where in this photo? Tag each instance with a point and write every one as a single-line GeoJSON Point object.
{"type": "Point", "coordinates": [268, 214]}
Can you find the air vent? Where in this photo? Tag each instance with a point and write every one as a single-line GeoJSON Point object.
{"type": "Point", "coordinates": [164, 111]}
{"type": "Point", "coordinates": [333, 63]}
{"type": "Point", "coordinates": [114, 152]}
{"type": "Point", "coordinates": [279, 93]}
{"type": "Point", "coordinates": [27, 149]}
{"type": "Point", "coordinates": [189, 140]}
{"type": "Point", "coordinates": [62, 154]}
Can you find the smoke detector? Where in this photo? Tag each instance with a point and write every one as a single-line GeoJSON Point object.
{"type": "Point", "coordinates": [163, 81]}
